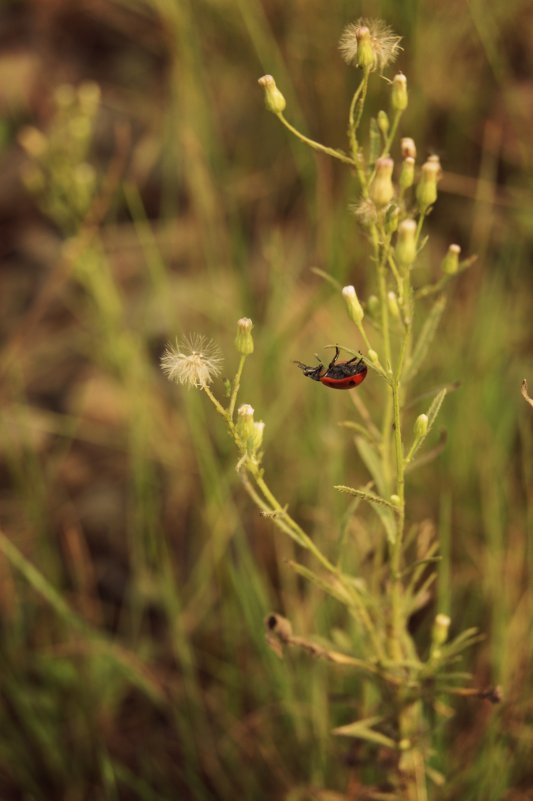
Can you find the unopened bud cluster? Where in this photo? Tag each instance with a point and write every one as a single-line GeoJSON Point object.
{"type": "Point", "coordinates": [61, 177]}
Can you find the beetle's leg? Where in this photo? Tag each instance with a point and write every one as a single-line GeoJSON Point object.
{"type": "Point", "coordinates": [332, 362]}
{"type": "Point", "coordinates": [355, 358]}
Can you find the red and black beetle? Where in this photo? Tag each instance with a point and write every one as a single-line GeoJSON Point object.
{"type": "Point", "coordinates": [337, 375]}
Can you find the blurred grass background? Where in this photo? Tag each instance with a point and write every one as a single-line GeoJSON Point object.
{"type": "Point", "coordinates": [134, 575]}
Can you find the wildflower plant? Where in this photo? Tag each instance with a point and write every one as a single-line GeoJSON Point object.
{"type": "Point", "coordinates": [396, 324]}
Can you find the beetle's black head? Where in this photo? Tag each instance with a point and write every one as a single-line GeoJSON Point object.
{"type": "Point", "coordinates": [315, 373]}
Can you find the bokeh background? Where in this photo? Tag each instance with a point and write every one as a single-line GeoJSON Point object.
{"type": "Point", "coordinates": [134, 574]}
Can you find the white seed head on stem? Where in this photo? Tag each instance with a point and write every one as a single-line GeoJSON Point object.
{"type": "Point", "coordinates": [369, 43]}
{"type": "Point", "coordinates": [195, 361]}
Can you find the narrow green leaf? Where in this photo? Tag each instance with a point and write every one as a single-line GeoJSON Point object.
{"type": "Point", "coordinates": [425, 338]}
{"type": "Point", "coordinates": [327, 277]}
{"type": "Point", "coordinates": [372, 462]}
{"type": "Point", "coordinates": [389, 522]}
{"type": "Point", "coordinates": [331, 587]}
{"type": "Point", "coordinates": [366, 496]}
{"type": "Point", "coordinates": [434, 409]}
{"type": "Point", "coordinates": [362, 730]}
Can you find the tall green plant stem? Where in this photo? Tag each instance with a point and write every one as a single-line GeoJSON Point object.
{"type": "Point", "coordinates": [268, 503]}
{"type": "Point", "coordinates": [396, 554]}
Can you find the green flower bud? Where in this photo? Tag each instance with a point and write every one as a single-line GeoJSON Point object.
{"type": "Point", "coordinates": [383, 122]}
{"type": "Point", "coordinates": [434, 159]}
{"type": "Point", "coordinates": [421, 426]}
{"type": "Point", "coordinates": [365, 51]}
{"type": "Point", "coordinates": [392, 216]}
{"type": "Point", "coordinates": [256, 440]}
{"type": "Point", "coordinates": [450, 263]}
{"type": "Point", "coordinates": [441, 626]}
{"type": "Point", "coordinates": [274, 100]}
{"type": "Point", "coordinates": [407, 173]}
{"type": "Point", "coordinates": [244, 341]}
{"type": "Point", "coordinates": [392, 302]}
{"type": "Point", "coordinates": [406, 243]}
{"type": "Point", "coordinates": [373, 356]}
{"type": "Point", "coordinates": [355, 310]}
{"type": "Point", "coordinates": [381, 188]}
{"type": "Point", "coordinates": [408, 147]}
{"type": "Point", "coordinates": [426, 191]}
{"type": "Point", "coordinates": [245, 420]}
{"type": "Point", "coordinates": [396, 500]}
{"type": "Point", "coordinates": [399, 98]}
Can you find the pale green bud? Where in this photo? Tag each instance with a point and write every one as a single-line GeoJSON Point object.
{"type": "Point", "coordinates": [396, 500]}
{"type": "Point", "coordinates": [421, 426]}
{"type": "Point", "coordinates": [407, 173]}
{"type": "Point", "coordinates": [383, 122]}
{"type": "Point", "coordinates": [441, 626]}
{"type": "Point", "coordinates": [365, 52]}
{"type": "Point", "coordinates": [355, 310]}
{"type": "Point", "coordinates": [244, 341]}
{"type": "Point", "coordinates": [392, 302]}
{"type": "Point", "coordinates": [274, 100]}
{"type": "Point", "coordinates": [392, 217]}
{"type": "Point", "coordinates": [245, 422]}
{"type": "Point", "coordinates": [434, 159]}
{"type": "Point", "coordinates": [426, 191]}
{"type": "Point", "coordinates": [256, 440]}
{"type": "Point", "coordinates": [406, 243]}
{"type": "Point", "coordinates": [373, 356]}
{"type": "Point", "coordinates": [381, 188]}
{"type": "Point", "coordinates": [399, 98]}
{"type": "Point", "coordinates": [249, 432]}
{"type": "Point", "coordinates": [450, 263]}
{"type": "Point", "coordinates": [408, 147]}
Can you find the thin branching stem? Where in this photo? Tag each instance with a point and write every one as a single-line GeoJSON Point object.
{"type": "Point", "coordinates": [329, 151]}
{"type": "Point", "coordinates": [236, 387]}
